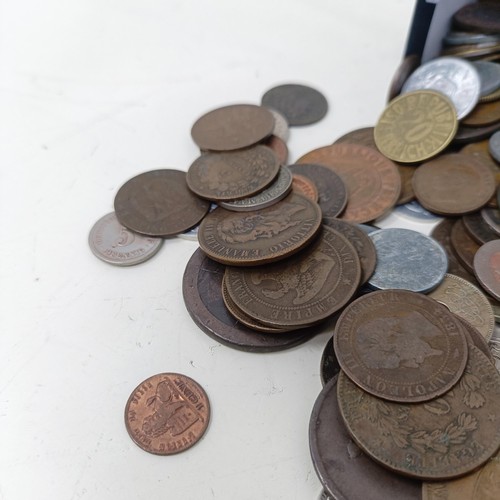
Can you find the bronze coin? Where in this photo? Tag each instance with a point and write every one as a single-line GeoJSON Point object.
{"type": "Point", "coordinates": [373, 182]}
{"type": "Point", "coordinates": [487, 267]}
{"type": "Point", "coordinates": [400, 346]}
{"type": "Point", "coordinates": [304, 289]}
{"type": "Point", "coordinates": [407, 193]}
{"type": "Point", "coordinates": [474, 337]}
{"type": "Point", "coordinates": [483, 17]}
{"type": "Point", "coordinates": [439, 439]}
{"type": "Point", "coordinates": [453, 184]}
{"type": "Point", "coordinates": [202, 292]}
{"type": "Point", "coordinates": [362, 243]}
{"type": "Point", "coordinates": [361, 136]}
{"type": "Point", "coordinates": [477, 228]}
{"type": "Point", "coordinates": [483, 115]}
{"type": "Point", "coordinates": [233, 175]}
{"type": "Point", "coordinates": [279, 147]}
{"type": "Point", "coordinates": [159, 203]}
{"type": "Point", "coordinates": [464, 246]}
{"type": "Point", "coordinates": [305, 186]}
{"type": "Point", "coordinates": [232, 127]}
{"type": "Point", "coordinates": [167, 413]}
{"type": "Point", "coordinates": [344, 470]}
{"type": "Point", "coordinates": [332, 192]}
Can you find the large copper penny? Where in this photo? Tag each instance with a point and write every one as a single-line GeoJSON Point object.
{"type": "Point", "coordinates": [167, 413]}
{"type": "Point", "coordinates": [233, 175]}
{"type": "Point", "coordinates": [453, 184]}
{"type": "Point", "coordinates": [373, 182]}
{"type": "Point", "coordinates": [305, 289]}
{"type": "Point", "coordinates": [487, 267]}
{"type": "Point", "coordinates": [232, 127]}
{"type": "Point", "coordinates": [439, 439]}
{"type": "Point", "coordinates": [400, 346]}
{"type": "Point", "coordinates": [464, 246]}
{"type": "Point", "coordinates": [159, 203]}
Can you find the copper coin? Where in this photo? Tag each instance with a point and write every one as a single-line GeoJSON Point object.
{"type": "Point", "coordinates": [363, 136]}
{"type": "Point", "coordinates": [233, 175]}
{"type": "Point", "coordinates": [202, 292]}
{"type": "Point", "coordinates": [279, 147]}
{"type": "Point", "coordinates": [332, 192]}
{"type": "Point", "coordinates": [407, 66]}
{"type": "Point", "coordinates": [407, 194]}
{"type": "Point", "coordinates": [232, 127]}
{"type": "Point", "coordinates": [344, 470]}
{"type": "Point", "coordinates": [373, 182]}
{"type": "Point", "coordinates": [167, 413]}
{"type": "Point", "coordinates": [329, 366]}
{"type": "Point", "coordinates": [305, 186]}
{"type": "Point", "coordinates": [466, 134]}
{"type": "Point", "coordinates": [476, 226]}
{"type": "Point", "coordinates": [464, 246]}
{"type": "Point", "coordinates": [159, 203]}
{"type": "Point", "coordinates": [440, 439]}
{"type": "Point", "coordinates": [483, 115]}
{"type": "Point", "coordinates": [474, 337]}
{"type": "Point", "coordinates": [481, 151]}
{"type": "Point", "coordinates": [304, 289]}
{"type": "Point", "coordinates": [487, 267]}
{"type": "Point", "coordinates": [400, 346]}
{"type": "Point", "coordinates": [483, 17]}
{"type": "Point", "coordinates": [453, 184]}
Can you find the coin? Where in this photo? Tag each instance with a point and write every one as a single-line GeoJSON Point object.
{"type": "Point", "coordinates": [414, 210]}
{"type": "Point", "coordinates": [494, 96]}
{"type": "Point", "coordinates": [483, 17]}
{"type": "Point", "coordinates": [468, 134]}
{"type": "Point", "coordinates": [343, 469]}
{"type": "Point", "coordinates": [281, 128]}
{"type": "Point", "coordinates": [363, 136]}
{"type": "Point", "coordinates": [279, 147]}
{"type": "Point", "coordinates": [302, 290]}
{"type": "Point", "coordinates": [494, 146]}
{"type": "Point", "coordinates": [466, 300]}
{"type": "Point", "coordinates": [484, 115]}
{"type": "Point", "coordinates": [373, 182]}
{"type": "Point", "coordinates": [487, 267]}
{"type": "Point", "coordinates": [167, 413]}
{"type": "Point", "coordinates": [192, 234]}
{"type": "Point", "coordinates": [299, 104]}
{"type": "Point", "coordinates": [416, 126]}
{"type": "Point", "coordinates": [407, 260]}
{"type": "Point", "coordinates": [407, 194]}
{"type": "Point", "coordinates": [465, 247]}
{"type": "Point", "coordinates": [304, 186]}
{"type": "Point", "coordinates": [159, 203]}
{"type": "Point", "coordinates": [474, 337]}
{"type": "Point", "coordinates": [468, 37]}
{"type": "Point", "coordinates": [232, 127]}
{"type": "Point", "coordinates": [329, 366]}
{"type": "Point", "coordinates": [478, 229]}
{"type": "Point", "coordinates": [489, 75]}
{"type": "Point", "coordinates": [440, 439]}
{"type": "Point", "coordinates": [115, 244]}
{"type": "Point", "coordinates": [407, 66]}
{"type": "Point", "coordinates": [492, 217]}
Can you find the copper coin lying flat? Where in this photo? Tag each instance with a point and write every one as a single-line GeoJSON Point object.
{"type": "Point", "coordinates": [487, 267]}
{"type": "Point", "coordinates": [167, 413]}
{"type": "Point", "coordinates": [159, 203]}
{"type": "Point", "coordinates": [400, 346]}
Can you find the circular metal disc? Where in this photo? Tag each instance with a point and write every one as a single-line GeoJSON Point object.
{"type": "Point", "coordinates": [487, 267]}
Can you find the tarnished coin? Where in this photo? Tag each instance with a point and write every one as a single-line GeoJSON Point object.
{"type": "Point", "coordinates": [167, 413]}
{"type": "Point", "coordinates": [305, 186]}
{"type": "Point", "coordinates": [373, 182]}
{"type": "Point", "coordinates": [400, 346]}
{"type": "Point", "coordinates": [407, 260]}
{"type": "Point", "coordinates": [407, 66]}
{"type": "Point", "coordinates": [494, 146]}
{"type": "Point", "coordinates": [115, 244]}
{"type": "Point", "coordinates": [465, 300]}
{"type": "Point", "coordinates": [440, 439]}
{"type": "Point", "coordinates": [492, 217]}
{"type": "Point", "coordinates": [477, 228]}
{"type": "Point", "coordinates": [469, 134]}
{"type": "Point", "coordinates": [487, 267]}
{"type": "Point", "coordinates": [233, 175]}
{"type": "Point", "coordinates": [329, 366]}
{"type": "Point", "coordinates": [363, 136]}
{"type": "Point", "coordinates": [192, 234]}
{"type": "Point", "coordinates": [464, 246]}
{"type": "Point", "coordinates": [260, 236]}
{"type": "Point", "coordinates": [279, 147]}
{"type": "Point", "coordinates": [474, 337]}
{"type": "Point", "coordinates": [407, 194]}
{"type": "Point", "coordinates": [414, 210]}
{"type": "Point", "coordinates": [484, 115]}
{"type": "Point", "coordinates": [453, 184]}
{"type": "Point", "coordinates": [281, 128]}
{"type": "Point", "coordinates": [233, 127]}
{"type": "Point", "coordinates": [483, 17]}
{"type": "Point", "coordinates": [159, 203]}
{"type": "Point", "coordinates": [302, 290]}
{"type": "Point", "coordinates": [416, 126]}
{"type": "Point", "coordinates": [489, 76]}
{"type": "Point", "coordinates": [299, 104]}
{"type": "Point", "coordinates": [344, 470]}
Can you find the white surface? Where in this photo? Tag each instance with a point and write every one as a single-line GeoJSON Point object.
{"type": "Point", "coordinates": [93, 93]}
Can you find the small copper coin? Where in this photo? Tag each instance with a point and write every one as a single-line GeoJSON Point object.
{"type": "Point", "coordinates": [167, 413]}
{"type": "Point", "coordinates": [159, 203]}
{"type": "Point", "coordinates": [483, 17]}
{"type": "Point", "coordinates": [305, 186]}
{"type": "Point", "coordinates": [464, 246]}
{"type": "Point", "coordinates": [232, 127]}
{"type": "Point", "coordinates": [373, 182]}
{"type": "Point", "coordinates": [483, 115]}
{"type": "Point", "coordinates": [487, 267]}
{"type": "Point", "coordinates": [400, 346]}
{"type": "Point", "coordinates": [260, 236]}
{"type": "Point", "coordinates": [453, 184]}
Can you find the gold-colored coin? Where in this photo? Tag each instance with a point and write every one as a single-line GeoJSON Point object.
{"type": "Point", "coordinates": [416, 126]}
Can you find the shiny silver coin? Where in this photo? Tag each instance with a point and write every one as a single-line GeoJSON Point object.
{"type": "Point", "coordinates": [281, 128]}
{"type": "Point", "coordinates": [407, 260]}
{"type": "Point", "coordinates": [456, 78]}
{"type": "Point", "coordinates": [115, 244]}
{"type": "Point", "coordinates": [492, 217]}
{"type": "Point", "coordinates": [469, 38]}
{"type": "Point", "coordinates": [269, 196]}
{"type": "Point", "coordinates": [489, 74]}
{"type": "Point", "coordinates": [494, 146]}
{"type": "Point", "coordinates": [414, 210]}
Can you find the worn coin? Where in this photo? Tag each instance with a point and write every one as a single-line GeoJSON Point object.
{"type": "Point", "coordinates": [480, 150]}
{"type": "Point", "coordinates": [463, 245]}
{"type": "Point", "coordinates": [414, 210]}
{"type": "Point", "coordinates": [474, 337]}
{"type": "Point", "coordinates": [407, 260]}
{"type": "Point", "coordinates": [192, 234]}
{"type": "Point", "coordinates": [159, 203]}
{"type": "Point", "coordinates": [483, 17]}
{"type": "Point", "coordinates": [477, 227]}
{"type": "Point", "coordinates": [466, 134]}
{"type": "Point", "coordinates": [489, 75]}
{"type": "Point", "coordinates": [299, 104]}
{"type": "Point", "coordinates": [484, 115]}
{"type": "Point", "coordinates": [281, 128]}
{"type": "Point", "coordinates": [232, 127]}
{"type": "Point", "coordinates": [416, 126]}
{"type": "Point", "coordinates": [492, 217]}
{"type": "Point", "coordinates": [167, 413]}
{"type": "Point", "coordinates": [363, 136]}
{"type": "Point", "coordinates": [407, 194]}
{"type": "Point", "coordinates": [344, 470]}
{"type": "Point", "coordinates": [487, 267]}
{"type": "Point", "coordinates": [494, 146]}
{"type": "Point", "coordinates": [279, 147]}
{"type": "Point", "coordinates": [305, 186]}
{"type": "Point", "coordinates": [329, 366]}
{"type": "Point", "coordinates": [468, 37]}
{"type": "Point", "coordinates": [439, 439]}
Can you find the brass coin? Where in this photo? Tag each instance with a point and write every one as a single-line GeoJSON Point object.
{"type": "Point", "coordinates": [373, 182]}
{"type": "Point", "coordinates": [439, 439]}
{"type": "Point", "coordinates": [233, 175]}
{"type": "Point", "coordinates": [416, 126]}
{"type": "Point", "coordinates": [483, 115]}
{"type": "Point", "coordinates": [487, 267]}
{"type": "Point", "coordinates": [400, 346]}
{"type": "Point", "coordinates": [464, 246]}
{"type": "Point", "coordinates": [304, 186]}
{"type": "Point", "coordinates": [260, 236]}
{"type": "Point", "coordinates": [167, 413]}
{"type": "Point", "coordinates": [304, 289]}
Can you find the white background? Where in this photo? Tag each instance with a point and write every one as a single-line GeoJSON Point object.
{"type": "Point", "coordinates": [91, 94]}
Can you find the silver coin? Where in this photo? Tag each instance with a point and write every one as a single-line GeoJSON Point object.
{"type": "Point", "coordinates": [494, 146]}
{"type": "Point", "coordinates": [456, 78]}
{"type": "Point", "coordinates": [489, 75]}
{"type": "Point", "coordinates": [407, 260]}
{"type": "Point", "coordinates": [269, 196]}
{"type": "Point", "coordinates": [468, 38]}
{"type": "Point", "coordinates": [492, 217]}
{"type": "Point", "coordinates": [414, 210]}
{"type": "Point", "coordinates": [115, 244]}
{"type": "Point", "coordinates": [192, 234]}
{"type": "Point", "coordinates": [281, 128]}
